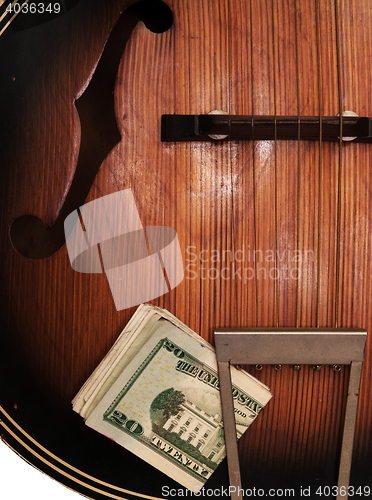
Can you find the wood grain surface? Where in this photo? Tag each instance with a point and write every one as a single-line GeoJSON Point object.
{"type": "Point", "coordinates": [298, 211]}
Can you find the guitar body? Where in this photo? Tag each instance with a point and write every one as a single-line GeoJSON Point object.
{"type": "Point", "coordinates": [272, 233]}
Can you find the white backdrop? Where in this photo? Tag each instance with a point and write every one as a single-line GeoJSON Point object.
{"type": "Point", "coordinates": [20, 481]}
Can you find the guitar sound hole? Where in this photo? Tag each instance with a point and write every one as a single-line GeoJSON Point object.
{"type": "Point", "coordinates": [28, 234]}
{"type": "Point", "coordinates": [157, 16]}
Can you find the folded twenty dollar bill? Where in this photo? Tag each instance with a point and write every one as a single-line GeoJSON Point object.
{"type": "Point", "coordinates": [156, 393]}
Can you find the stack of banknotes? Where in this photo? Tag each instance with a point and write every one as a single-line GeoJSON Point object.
{"type": "Point", "coordinates": [156, 393]}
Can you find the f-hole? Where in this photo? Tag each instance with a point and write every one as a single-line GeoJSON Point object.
{"type": "Point", "coordinates": [95, 107]}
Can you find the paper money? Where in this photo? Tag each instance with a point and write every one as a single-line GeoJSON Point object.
{"type": "Point", "coordinates": [157, 394]}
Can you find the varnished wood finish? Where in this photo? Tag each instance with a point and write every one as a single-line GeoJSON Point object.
{"type": "Point", "coordinates": [298, 58]}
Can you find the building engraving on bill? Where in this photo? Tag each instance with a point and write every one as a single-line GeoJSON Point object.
{"type": "Point", "coordinates": [195, 426]}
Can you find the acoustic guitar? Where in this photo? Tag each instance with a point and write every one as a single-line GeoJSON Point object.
{"type": "Point", "coordinates": [273, 231]}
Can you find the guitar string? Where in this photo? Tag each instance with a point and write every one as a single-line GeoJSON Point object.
{"type": "Point", "coordinates": [239, 310]}
{"type": "Point", "coordinates": [320, 165]}
{"type": "Point", "coordinates": [253, 167]}
{"type": "Point", "coordinates": [335, 399]}
{"type": "Point", "coordinates": [289, 451]}
{"type": "Point", "coordinates": [12, 18]}
{"type": "Point", "coordinates": [276, 382]}
{"type": "Point", "coordinates": [275, 174]}
{"type": "Point", "coordinates": [188, 148]}
{"type": "Point", "coordinates": [320, 438]}
{"type": "Point", "coordinates": [296, 382]}
{"type": "Point", "coordinates": [233, 300]}
{"type": "Point", "coordinates": [298, 158]}
{"type": "Point", "coordinates": [338, 223]}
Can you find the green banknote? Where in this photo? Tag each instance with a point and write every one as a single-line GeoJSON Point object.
{"type": "Point", "coordinates": [165, 406]}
